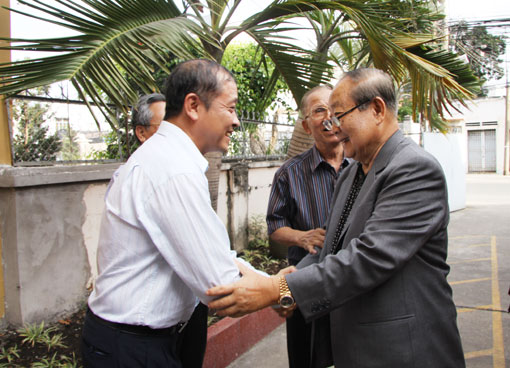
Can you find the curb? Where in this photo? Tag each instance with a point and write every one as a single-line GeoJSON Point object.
{"type": "Point", "coordinates": [231, 337]}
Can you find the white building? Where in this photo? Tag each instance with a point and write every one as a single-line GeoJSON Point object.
{"type": "Point", "coordinates": [483, 129]}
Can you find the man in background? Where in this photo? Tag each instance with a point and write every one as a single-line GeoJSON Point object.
{"type": "Point", "coordinates": [147, 115]}
{"type": "Point", "coordinates": [299, 203]}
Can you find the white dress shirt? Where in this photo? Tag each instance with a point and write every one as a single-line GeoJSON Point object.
{"type": "Point", "coordinates": [161, 244]}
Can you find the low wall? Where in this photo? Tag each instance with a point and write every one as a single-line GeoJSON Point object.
{"type": "Point", "coordinates": [229, 338]}
{"type": "Point", "coordinates": [446, 148]}
{"type": "Point", "coordinates": [42, 211]}
{"type": "Point", "coordinates": [49, 227]}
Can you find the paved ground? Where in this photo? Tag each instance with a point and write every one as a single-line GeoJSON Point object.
{"type": "Point", "coordinates": [479, 255]}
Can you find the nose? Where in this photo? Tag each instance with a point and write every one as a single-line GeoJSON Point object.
{"type": "Point", "coordinates": [236, 123]}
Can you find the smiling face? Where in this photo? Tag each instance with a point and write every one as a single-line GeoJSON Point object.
{"type": "Point", "coordinates": [217, 123]}
{"type": "Point", "coordinates": [316, 111]}
{"type": "Point", "coordinates": [358, 129]}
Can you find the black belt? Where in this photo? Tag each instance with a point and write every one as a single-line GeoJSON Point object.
{"type": "Point", "coordinates": [138, 329]}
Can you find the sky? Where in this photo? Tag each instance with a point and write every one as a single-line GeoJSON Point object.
{"type": "Point", "coordinates": [475, 10]}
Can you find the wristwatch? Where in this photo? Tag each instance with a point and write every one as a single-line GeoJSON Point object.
{"type": "Point", "coordinates": [286, 299]}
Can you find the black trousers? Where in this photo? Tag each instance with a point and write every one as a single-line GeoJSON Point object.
{"type": "Point", "coordinates": [107, 347]}
{"type": "Point", "coordinates": [299, 335]}
{"type": "Point", "coordinates": [193, 339]}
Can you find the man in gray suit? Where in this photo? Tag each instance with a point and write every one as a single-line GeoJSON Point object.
{"type": "Point", "coordinates": [377, 292]}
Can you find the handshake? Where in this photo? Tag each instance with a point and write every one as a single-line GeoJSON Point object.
{"type": "Point", "coordinates": [251, 293]}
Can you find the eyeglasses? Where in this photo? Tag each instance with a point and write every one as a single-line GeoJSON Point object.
{"type": "Point", "coordinates": [336, 119]}
{"type": "Point", "coordinates": [318, 113]}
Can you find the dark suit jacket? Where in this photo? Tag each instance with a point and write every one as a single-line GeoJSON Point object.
{"type": "Point", "coordinates": [385, 291]}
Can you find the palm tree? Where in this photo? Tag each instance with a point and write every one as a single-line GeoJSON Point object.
{"type": "Point", "coordinates": [339, 40]}
{"type": "Point", "coordinates": [116, 38]}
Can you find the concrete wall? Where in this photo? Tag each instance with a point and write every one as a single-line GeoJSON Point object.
{"type": "Point", "coordinates": [42, 214]}
{"type": "Point", "coordinates": [243, 194]}
{"type": "Point", "coordinates": [49, 226]}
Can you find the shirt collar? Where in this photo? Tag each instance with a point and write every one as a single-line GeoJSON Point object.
{"type": "Point", "coordinates": [173, 132]}
{"type": "Point", "coordinates": [316, 159]}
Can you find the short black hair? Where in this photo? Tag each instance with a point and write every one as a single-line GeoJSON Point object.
{"type": "Point", "coordinates": [200, 76]}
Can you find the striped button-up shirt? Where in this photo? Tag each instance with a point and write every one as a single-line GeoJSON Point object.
{"type": "Point", "coordinates": [300, 195]}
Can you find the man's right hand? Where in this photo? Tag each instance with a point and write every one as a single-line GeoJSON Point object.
{"type": "Point", "coordinates": [311, 239]}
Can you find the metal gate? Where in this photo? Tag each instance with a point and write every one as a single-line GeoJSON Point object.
{"type": "Point", "coordinates": [482, 150]}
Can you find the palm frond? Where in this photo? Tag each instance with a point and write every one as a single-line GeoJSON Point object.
{"type": "Point", "coordinates": [294, 64]}
{"type": "Point", "coordinates": [435, 94]}
{"type": "Point", "coordinates": [128, 37]}
{"type": "Point", "coordinates": [390, 51]}
{"type": "Point", "coordinates": [389, 43]}
{"type": "Point", "coordinates": [116, 39]}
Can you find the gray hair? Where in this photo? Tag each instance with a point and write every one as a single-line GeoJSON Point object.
{"type": "Point", "coordinates": [372, 83]}
{"type": "Point", "coordinates": [141, 114]}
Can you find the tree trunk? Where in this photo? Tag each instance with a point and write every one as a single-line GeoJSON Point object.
{"type": "Point", "coordinates": [213, 176]}
{"type": "Point", "coordinates": [300, 141]}
{"type": "Point", "coordinates": [257, 144]}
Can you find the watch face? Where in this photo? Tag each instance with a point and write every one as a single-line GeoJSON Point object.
{"type": "Point", "coordinates": [286, 301]}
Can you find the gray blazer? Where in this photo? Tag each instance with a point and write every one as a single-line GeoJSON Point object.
{"type": "Point", "coordinates": [385, 291]}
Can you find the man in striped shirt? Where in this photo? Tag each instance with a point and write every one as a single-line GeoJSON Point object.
{"type": "Point", "coordinates": [299, 203]}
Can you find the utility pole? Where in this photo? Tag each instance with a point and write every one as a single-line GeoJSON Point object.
{"type": "Point", "coordinates": [506, 151]}
{"type": "Point", "coordinates": [507, 128]}
{"type": "Point", "coordinates": [5, 141]}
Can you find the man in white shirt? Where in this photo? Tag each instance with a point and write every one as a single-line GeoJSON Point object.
{"type": "Point", "coordinates": [146, 118]}
{"type": "Point", "coordinates": [161, 243]}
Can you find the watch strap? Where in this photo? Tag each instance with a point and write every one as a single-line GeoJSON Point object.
{"type": "Point", "coordinates": [284, 289]}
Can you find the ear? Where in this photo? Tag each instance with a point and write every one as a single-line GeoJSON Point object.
{"type": "Point", "coordinates": [306, 127]}
{"type": "Point", "coordinates": [379, 109]}
{"type": "Point", "coordinates": [140, 133]}
{"type": "Point", "coordinates": [191, 106]}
